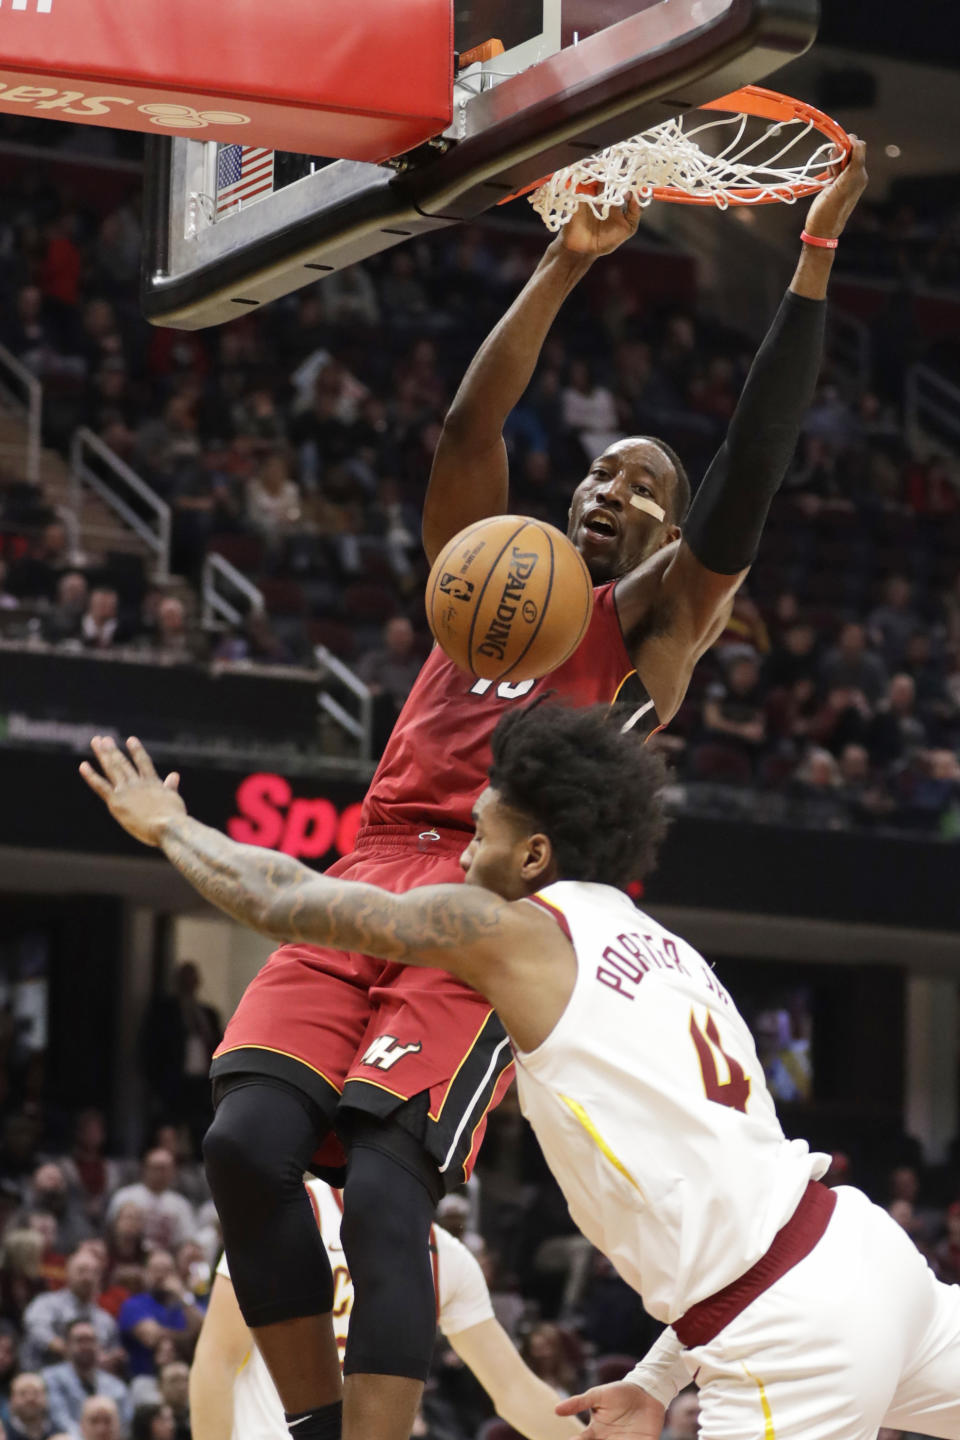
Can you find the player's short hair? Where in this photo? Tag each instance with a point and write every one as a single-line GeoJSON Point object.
{"type": "Point", "coordinates": [594, 791]}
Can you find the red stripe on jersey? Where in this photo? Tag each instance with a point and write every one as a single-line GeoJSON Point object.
{"type": "Point", "coordinates": [554, 910]}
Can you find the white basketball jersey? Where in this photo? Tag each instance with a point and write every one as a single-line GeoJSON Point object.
{"type": "Point", "coordinates": [462, 1301]}
{"type": "Point", "coordinates": [650, 1106]}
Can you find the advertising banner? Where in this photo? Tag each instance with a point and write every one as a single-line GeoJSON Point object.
{"type": "Point", "coordinates": [364, 84]}
{"type": "Point", "coordinates": [854, 877]}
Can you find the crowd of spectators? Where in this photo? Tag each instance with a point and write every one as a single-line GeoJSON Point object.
{"type": "Point", "coordinates": [43, 583]}
{"type": "Point", "coordinates": [103, 1286]}
{"type": "Point", "coordinates": [857, 722]}
{"type": "Point", "coordinates": [913, 240]}
{"type": "Point", "coordinates": [105, 1262]}
{"type": "Point", "coordinates": [296, 442]}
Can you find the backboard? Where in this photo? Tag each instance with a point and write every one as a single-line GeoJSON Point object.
{"type": "Point", "coordinates": [231, 227]}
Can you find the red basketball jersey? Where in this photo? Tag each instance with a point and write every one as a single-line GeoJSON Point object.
{"type": "Point", "coordinates": [436, 762]}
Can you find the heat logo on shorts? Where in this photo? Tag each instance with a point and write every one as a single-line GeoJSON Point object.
{"type": "Point", "coordinates": [455, 586]}
{"type": "Point", "coordinates": [386, 1050]}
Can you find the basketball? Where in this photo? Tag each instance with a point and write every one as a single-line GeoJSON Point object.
{"type": "Point", "coordinates": [509, 596]}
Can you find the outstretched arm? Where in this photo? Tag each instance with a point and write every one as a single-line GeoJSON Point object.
{"type": "Point", "coordinates": [449, 925]}
{"type": "Point", "coordinates": [498, 948]}
{"type": "Point", "coordinates": [446, 925]}
{"type": "Point", "coordinates": [679, 617]}
{"type": "Point", "coordinates": [468, 481]}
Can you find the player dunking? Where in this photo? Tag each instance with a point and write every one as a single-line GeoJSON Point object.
{"type": "Point", "coordinates": [407, 1064]}
{"type": "Point", "coordinates": [805, 1313]}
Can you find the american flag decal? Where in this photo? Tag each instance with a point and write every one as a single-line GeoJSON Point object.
{"type": "Point", "coordinates": [244, 174]}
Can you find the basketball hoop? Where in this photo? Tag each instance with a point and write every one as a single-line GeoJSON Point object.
{"type": "Point", "coordinates": [749, 164]}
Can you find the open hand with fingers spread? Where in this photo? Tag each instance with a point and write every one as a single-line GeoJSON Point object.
{"type": "Point", "coordinates": [132, 790]}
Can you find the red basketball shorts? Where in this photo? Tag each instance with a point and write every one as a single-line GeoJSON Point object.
{"type": "Point", "coordinates": [385, 1039]}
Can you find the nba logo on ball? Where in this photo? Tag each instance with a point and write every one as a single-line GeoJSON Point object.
{"type": "Point", "coordinates": [456, 587]}
{"type": "Point", "coordinates": [524, 609]}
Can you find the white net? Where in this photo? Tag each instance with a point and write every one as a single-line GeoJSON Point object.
{"type": "Point", "coordinates": [746, 169]}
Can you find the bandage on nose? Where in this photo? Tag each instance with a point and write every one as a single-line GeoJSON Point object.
{"type": "Point", "coordinates": [649, 506]}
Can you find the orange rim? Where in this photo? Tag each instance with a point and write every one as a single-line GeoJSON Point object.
{"type": "Point", "coordinates": [766, 105]}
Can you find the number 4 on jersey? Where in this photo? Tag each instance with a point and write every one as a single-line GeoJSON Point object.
{"type": "Point", "coordinates": [734, 1092]}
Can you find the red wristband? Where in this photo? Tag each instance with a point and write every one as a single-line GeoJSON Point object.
{"type": "Point", "coordinates": [818, 240]}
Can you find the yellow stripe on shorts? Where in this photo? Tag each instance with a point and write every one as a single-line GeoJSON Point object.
{"type": "Point", "coordinates": [768, 1431]}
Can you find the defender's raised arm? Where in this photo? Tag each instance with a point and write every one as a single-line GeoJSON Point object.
{"type": "Point", "coordinates": [275, 894]}
{"type": "Point", "coordinates": [484, 940]}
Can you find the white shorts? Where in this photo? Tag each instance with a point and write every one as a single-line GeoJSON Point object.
{"type": "Point", "coordinates": [858, 1335]}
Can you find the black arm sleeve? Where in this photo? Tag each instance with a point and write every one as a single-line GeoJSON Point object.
{"type": "Point", "coordinates": [730, 508]}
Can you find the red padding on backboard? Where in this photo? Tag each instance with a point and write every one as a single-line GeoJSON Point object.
{"type": "Point", "coordinates": [361, 81]}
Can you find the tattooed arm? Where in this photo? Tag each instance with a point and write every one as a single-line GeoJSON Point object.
{"type": "Point", "coordinates": [281, 898]}
{"type": "Point", "coordinates": [497, 947]}
{"type": "Point", "coordinates": [446, 925]}
{"type": "Point", "coordinates": [512, 953]}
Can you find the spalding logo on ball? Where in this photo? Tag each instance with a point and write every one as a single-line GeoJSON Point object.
{"type": "Point", "coordinates": [509, 597]}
